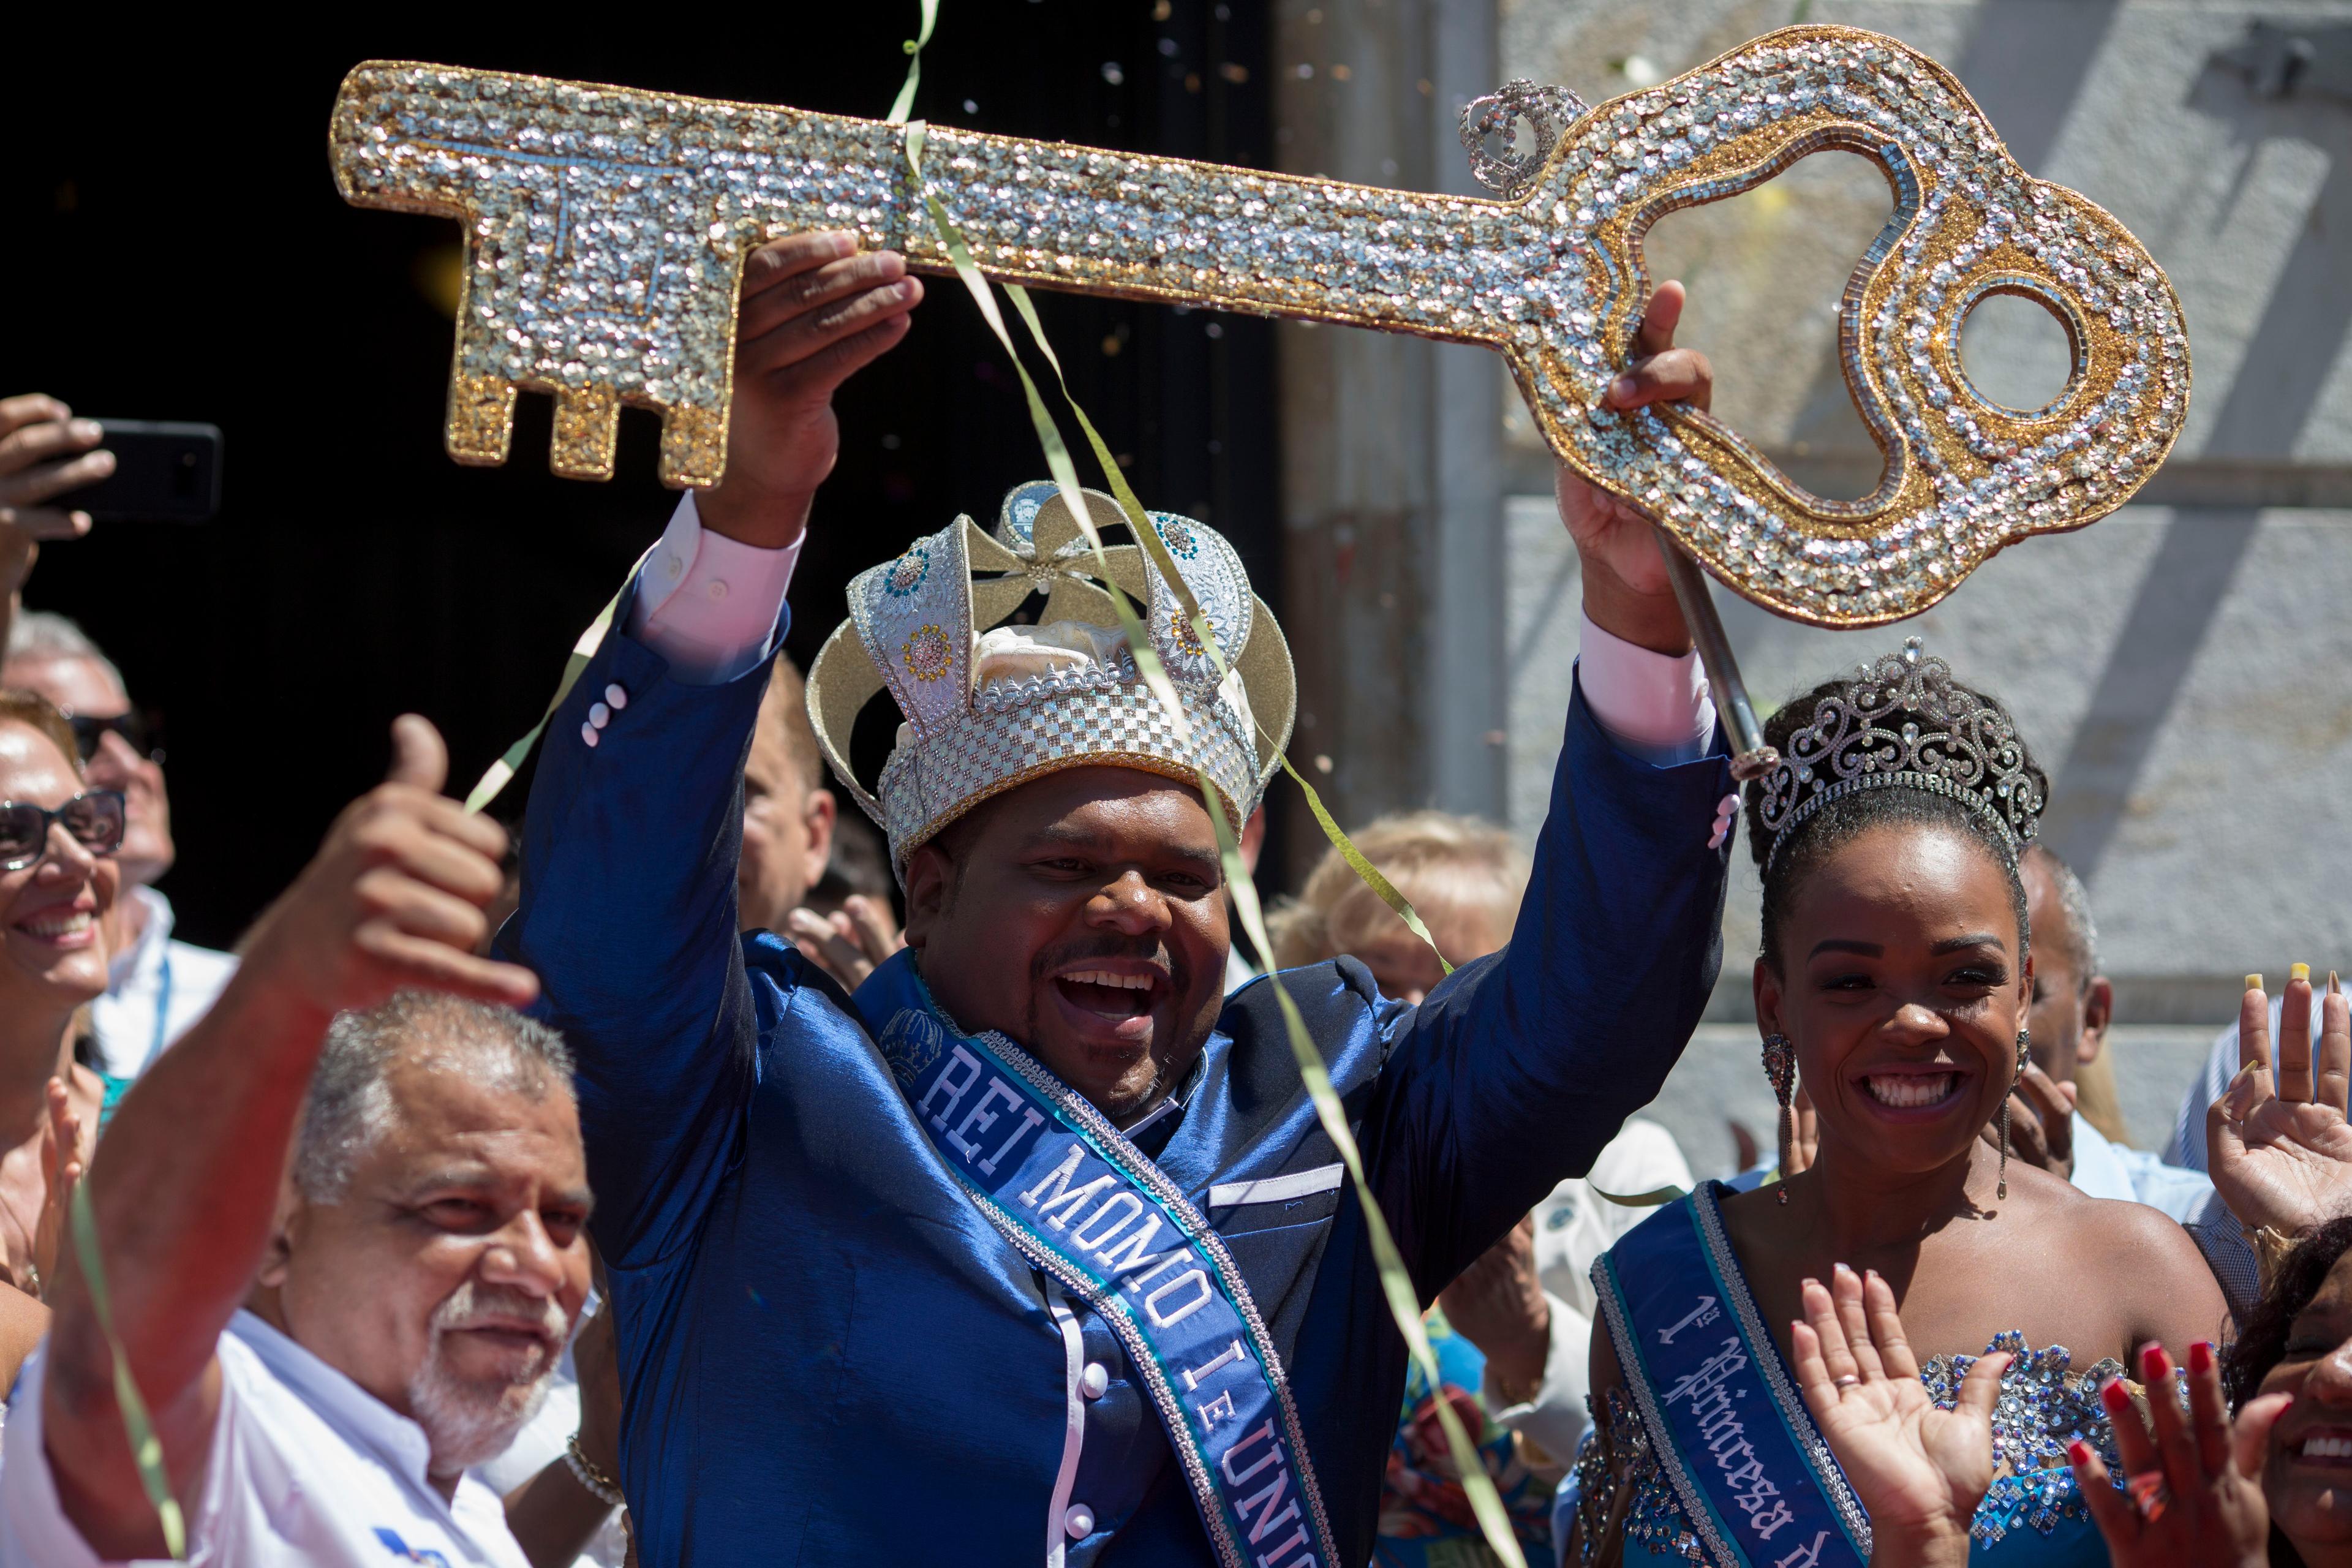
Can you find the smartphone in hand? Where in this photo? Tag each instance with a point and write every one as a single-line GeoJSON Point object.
{"type": "Point", "coordinates": [163, 472]}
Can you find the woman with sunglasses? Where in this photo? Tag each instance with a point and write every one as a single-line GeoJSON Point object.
{"type": "Point", "coordinates": [57, 884]}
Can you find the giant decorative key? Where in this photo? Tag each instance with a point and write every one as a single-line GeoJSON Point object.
{"type": "Point", "coordinates": [605, 231]}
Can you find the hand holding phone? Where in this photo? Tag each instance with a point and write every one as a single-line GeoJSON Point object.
{"type": "Point", "coordinates": [45, 453]}
{"type": "Point", "coordinates": [163, 472]}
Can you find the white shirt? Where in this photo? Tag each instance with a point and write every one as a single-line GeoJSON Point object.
{"type": "Point", "coordinates": [155, 990]}
{"type": "Point", "coordinates": [2106, 1170]}
{"type": "Point", "coordinates": [542, 1441]}
{"type": "Point", "coordinates": [1574, 1226]}
{"type": "Point", "coordinates": [307, 1468]}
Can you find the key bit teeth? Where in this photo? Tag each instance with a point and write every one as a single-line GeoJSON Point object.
{"type": "Point", "coordinates": [587, 424]}
{"type": "Point", "coordinates": [693, 447]}
{"type": "Point", "coordinates": [481, 419]}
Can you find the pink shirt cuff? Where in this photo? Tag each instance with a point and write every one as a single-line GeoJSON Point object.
{"type": "Point", "coordinates": [709, 604]}
{"type": "Point", "coordinates": [1647, 701]}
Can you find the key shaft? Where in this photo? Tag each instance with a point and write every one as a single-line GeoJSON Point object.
{"type": "Point", "coordinates": [606, 228]}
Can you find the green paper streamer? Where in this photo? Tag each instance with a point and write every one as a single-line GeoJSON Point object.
{"type": "Point", "coordinates": [498, 775]}
{"type": "Point", "coordinates": [1649, 1200]}
{"type": "Point", "coordinates": [146, 1449]}
{"type": "Point", "coordinates": [1147, 534]}
{"type": "Point", "coordinates": [904, 104]}
{"type": "Point", "coordinates": [1049, 436]}
{"type": "Point", "coordinates": [1396, 1282]}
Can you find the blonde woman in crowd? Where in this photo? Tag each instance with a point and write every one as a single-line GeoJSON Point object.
{"type": "Point", "coordinates": [1513, 1333]}
{"type": "Point", "coordinates": [57, 883]}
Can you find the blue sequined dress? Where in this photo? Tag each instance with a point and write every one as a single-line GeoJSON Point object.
{"type": "Point", "coordinates": [2032, 1516]}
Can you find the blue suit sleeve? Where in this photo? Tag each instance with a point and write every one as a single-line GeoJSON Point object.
{"type": "Point", "coordinates": [627, 916]}
{"type": "Point", "coordinates": [1516, 1070]}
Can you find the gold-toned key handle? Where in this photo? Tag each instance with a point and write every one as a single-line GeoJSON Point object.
{"type": "Point", "coordinates": [607, 229]}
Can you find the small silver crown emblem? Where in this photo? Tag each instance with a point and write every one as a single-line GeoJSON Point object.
{"type": "Point", "coordinates": [1949, 742]}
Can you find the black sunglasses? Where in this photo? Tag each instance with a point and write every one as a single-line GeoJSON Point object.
{"type": "Point", "coordinates": [94, 817]}
{"type": "Point", "coordinates": [137, 732]}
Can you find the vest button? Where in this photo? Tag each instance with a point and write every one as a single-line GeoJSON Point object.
{"type": "Point", "coordinates": [1079, 1522]}
{"type": "Point", "coordinates": [1094, 1379]}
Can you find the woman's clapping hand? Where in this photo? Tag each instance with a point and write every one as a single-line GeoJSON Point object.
{"type": "Point", "coordinates": [2193, 1491]}
{"type": "Point", "coordinates": [1919, 1471]}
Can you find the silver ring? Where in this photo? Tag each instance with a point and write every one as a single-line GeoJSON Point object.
{"type": "Point", "coordinates": [1848, 1381]}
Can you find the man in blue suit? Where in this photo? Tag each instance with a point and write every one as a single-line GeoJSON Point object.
{"type": "Point", "coordinates": [1033, 1248]}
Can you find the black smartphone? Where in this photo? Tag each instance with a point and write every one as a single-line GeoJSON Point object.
{"type": "Point", "coordinates": [163, 472]}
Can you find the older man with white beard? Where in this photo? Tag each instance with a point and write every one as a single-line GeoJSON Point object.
{"type": "Point", "coordinates": [324, 1343]}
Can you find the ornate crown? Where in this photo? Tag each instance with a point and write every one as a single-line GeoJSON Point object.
{"type": "Point", "coordinates": [1951, 743]}
{"type": "Point", "coordinates": [988, 707]}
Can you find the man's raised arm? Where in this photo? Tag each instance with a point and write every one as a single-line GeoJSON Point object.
{"type": "Point", "coordinates": [634, 827]}
{"type": "Point", "coordinates": [187, 1187]}
{"type": "Point", "coordinates": [1519, 1067]}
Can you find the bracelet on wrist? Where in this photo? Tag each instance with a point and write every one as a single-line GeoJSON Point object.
{"type": "Point", "coordinates": [592, 1481]}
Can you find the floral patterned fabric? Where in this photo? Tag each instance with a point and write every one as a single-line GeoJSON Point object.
{"type": "Point", "coordinates": [1425, 1521]}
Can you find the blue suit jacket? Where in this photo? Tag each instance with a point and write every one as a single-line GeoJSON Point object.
{"type": "Point", "coordinates": [829, 1356]}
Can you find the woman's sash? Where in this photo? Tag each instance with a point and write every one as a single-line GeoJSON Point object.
{"type": "Point", "coordinates": [1753, 1477]}
{"type": "Point", "coordinates": [1083, 1204]}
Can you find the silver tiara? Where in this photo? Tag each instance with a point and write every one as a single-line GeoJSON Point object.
{"type": "Point", "coordinates": [1951, 743]}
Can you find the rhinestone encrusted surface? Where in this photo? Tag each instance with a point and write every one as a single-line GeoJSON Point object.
{"type": "Point", "coordinates": [605, 231]}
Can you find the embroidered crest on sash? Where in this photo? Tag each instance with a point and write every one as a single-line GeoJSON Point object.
{"type": "Point", "coordinates": [911, 1043]}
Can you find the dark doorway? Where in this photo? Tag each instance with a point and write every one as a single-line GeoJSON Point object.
{"type": "Point", "coordinates": [176, 251]}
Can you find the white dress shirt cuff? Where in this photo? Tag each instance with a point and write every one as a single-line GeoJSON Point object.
{"type": "Point", "coordinates": [1654, 704]}
{"type": "Point", "coordinates": [1555, 1419]}
{"type": "Point", "coordinates": [709, 604]}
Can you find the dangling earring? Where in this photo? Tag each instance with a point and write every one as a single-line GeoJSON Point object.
{"type": "Point", "coordinates": [2024, 1038]}
{"type": "Point", "coordinates": [1780, 1068]}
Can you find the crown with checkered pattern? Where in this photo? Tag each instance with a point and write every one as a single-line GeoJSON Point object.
{"type": "Point", "coordinates": [916, 627]}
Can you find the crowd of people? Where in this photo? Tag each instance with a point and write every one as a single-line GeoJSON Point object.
{"type": "Point", "coordinates": [684, 1171]}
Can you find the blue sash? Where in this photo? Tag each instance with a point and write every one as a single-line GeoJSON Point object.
{"type": "Point", "coordinates": [1084, 1205]}
{"type": "Point", "coordinates": [1724, 1418]}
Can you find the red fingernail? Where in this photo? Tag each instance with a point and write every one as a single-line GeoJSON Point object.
{"type": "Point", "coordinates": [2200, 1357]}
{"type": "Point", "coordinates": [2112, 1394]}
{"type": "Point", "coordinates": [2078, 1452]}
{"type": "Point", "coordinates": [2154, 1364]}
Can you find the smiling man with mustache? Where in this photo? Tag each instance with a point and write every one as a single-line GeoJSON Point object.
{"type": "Point", "coordinates": [1033, 1248]}
{"type": "Point", "coordinates": [325, 1342]}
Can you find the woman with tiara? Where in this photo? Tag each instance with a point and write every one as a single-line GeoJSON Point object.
{"type": "Point", "coordinates": [1894, 982]}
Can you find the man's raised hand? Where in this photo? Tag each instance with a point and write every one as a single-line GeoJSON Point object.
{"type": "Point", "coordinates": [1625, 587]}
{"type": "Point", "coordinates": [814, 310]}
{"type": "Point", "coordinates": [394, 898]}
